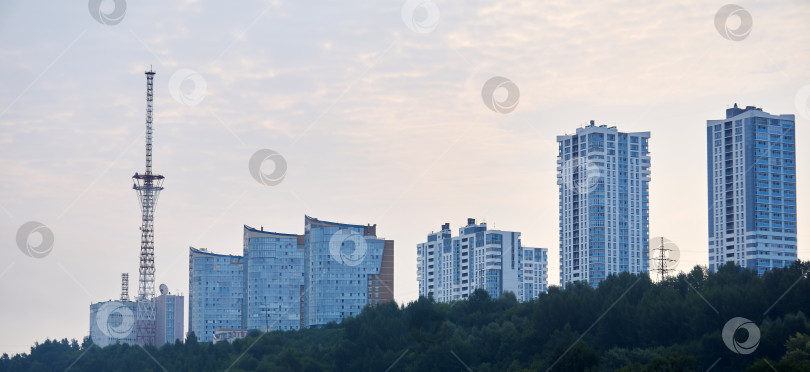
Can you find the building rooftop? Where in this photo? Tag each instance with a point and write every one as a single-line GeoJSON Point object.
{"type": "Point", "coordinates": [734, 111]}
{"type": "Point", "coordinates": [749, 111]}
{"type": "Point", "coordinates": [311, 219]}
{"type": "Point", "coordinates": [269, 233]}
{"type": "Point", "coordinates": [205, 252]}
{"type": "Point", "coordinates": [592, 125]}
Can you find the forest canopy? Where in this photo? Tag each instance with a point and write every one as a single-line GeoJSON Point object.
{"type": "Point", "coordinates": [628, 323]}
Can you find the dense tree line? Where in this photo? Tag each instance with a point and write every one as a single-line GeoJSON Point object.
{"type": "Point", "coordinates": [629, 323]}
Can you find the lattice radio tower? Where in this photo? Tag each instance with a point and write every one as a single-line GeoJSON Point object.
{"type": "Point", "coordinates": [148, 186]}
{"type": "Point", "coordinates": [663, 260]}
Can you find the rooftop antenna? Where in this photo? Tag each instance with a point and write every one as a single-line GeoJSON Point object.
{"type": "Point", "coordinates": [124, 286]}
{"type": "Point", "coordinates": [148, 186]}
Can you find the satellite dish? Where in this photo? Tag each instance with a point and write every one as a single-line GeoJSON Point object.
{"type": "Point", "coordinates": [164, 289]}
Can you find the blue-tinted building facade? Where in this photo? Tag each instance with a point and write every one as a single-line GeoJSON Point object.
{"type": "Point", "coordinates": [603, 176]}
{"type": "Point", "coordinates": [752, 189]}
{"type": "Point", "coordinates": [288, 281]}
{"type": "Point", "coordinates": [274, 280]}
{"type": "Point", "coordinates": [216, 294]}
{"type": "Point", "coordinates": [346, 268]}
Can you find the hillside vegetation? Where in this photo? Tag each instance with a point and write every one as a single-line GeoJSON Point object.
{"type": "Point", "coordinates": [629, 323]}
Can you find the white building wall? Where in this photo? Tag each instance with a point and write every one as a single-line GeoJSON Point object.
{"type": "Point", "coordinates": [451, 268]}
{"type": "Point", "coordinates": [112, 322]}
{"type": "Point", "coordinates": [535, 273]}
{"type": "Point", "coordinates": [603, 177]}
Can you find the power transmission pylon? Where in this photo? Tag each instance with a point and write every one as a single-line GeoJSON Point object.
{"type": "Point", "coordinates": [663, 260]}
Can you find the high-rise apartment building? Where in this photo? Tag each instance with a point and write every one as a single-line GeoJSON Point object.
{"type": "Point", "coordinates": [752, 189]}
{"type": "Point", "coordinates": [451, 268]}
{"type": "Point", "coordinates": [603, 177]}
{"type": "Point", "coordinates": [274, 280]}
{"type": "Point", "coordinates": [215, 284]}
{"type": "Point", "coordinates": [289, 281]}
{"type": "Point", "coordinates": [346, 267]}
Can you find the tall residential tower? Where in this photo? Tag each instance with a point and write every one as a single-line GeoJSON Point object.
{"type": "Point", "coordinates": [603, 177]}
{"type": "Point", "coordinates": [215, 293]}
{"type": "Point", "coordinates": [273, 280]}
{"type": "Point", "coordinates": [346, 267]}
{"type": "Point", "coordinates": [752, 189]}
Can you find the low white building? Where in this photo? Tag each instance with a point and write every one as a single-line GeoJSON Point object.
{"type": "Point", "coordinates": [229, 335]}
{"type": "Point", "coordinates": [113, 322]}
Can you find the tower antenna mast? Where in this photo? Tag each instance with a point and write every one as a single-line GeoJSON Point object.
{"type": "Point", "coordinates": [148, 187]}
{"type": "Point", "coordinates": [124, 287]}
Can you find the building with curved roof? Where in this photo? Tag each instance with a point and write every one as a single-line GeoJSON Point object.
{"type": "Point", "coordinates": [274, 280]}
{"type": "Point", "coordinates": [289, 281]}
{"type": "Point", "coordinates": [347, 268]}
{"type": "Point", "coordinates": [215, 292]}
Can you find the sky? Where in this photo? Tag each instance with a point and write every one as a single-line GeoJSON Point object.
{"type": "Point", "coordinates": [375, 107]}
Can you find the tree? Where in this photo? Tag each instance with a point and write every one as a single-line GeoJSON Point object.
{"type": "Point", "coordinates": [627, 323]}
{"type": "Point", "coordinates": [191, 338]}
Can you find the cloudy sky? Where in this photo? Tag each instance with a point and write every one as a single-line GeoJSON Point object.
{"type": "Point", "coordinates": [377, 109]}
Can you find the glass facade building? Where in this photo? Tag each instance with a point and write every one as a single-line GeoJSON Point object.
{"type": "Point", "coordinates": [288, 281]}
{"type": "Point", "coordinates": [346, 268]}
{"type": "Point", "coordinates": [215, 293]}
{"type": "Point", "coordinates": [274, 280]}
{"type": "Point", "coordinates": [752, 189]}
{"type": "Point", "coordinates": [603, 177]}
{"type": "Point", "coordinates": [451, 268]}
